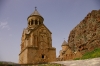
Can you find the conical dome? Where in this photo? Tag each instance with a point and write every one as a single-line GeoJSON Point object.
{"type": "Point", "coordinates": [35, 12]}
{"type": "Point", "coordinates": [64, 43]}
{"type": "Point", "coordinates": [35, 19]}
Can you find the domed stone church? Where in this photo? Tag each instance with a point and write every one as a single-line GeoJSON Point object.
{"type": "Point", "coordinates": [36, 42]}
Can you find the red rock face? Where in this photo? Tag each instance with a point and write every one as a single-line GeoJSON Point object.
{"type": "Point", "coordinates": [86, 35]}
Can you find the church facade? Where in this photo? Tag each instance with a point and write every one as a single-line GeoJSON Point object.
{"type": "Point", "coordinates": [36, 42]}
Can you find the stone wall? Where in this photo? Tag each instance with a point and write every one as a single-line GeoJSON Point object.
{"type": "Point", "coordinates": [23, 57]}
{"type": "Point", "coordinates": [51, 54]}
{"type": "Point", "coordinates": [32, 55]}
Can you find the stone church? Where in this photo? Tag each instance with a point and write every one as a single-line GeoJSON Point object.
{"type": "Point", "coordinates": [36, 42]}
{"type": "Point", "coordinates": [66, 53]}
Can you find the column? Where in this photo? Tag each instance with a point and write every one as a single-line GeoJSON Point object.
{"type": "Point", "coordinates": [33, 21]}
{"type": "Point", "coordinates": [30, 22]}
{"type": "Point", "coordinates": [38, 21]}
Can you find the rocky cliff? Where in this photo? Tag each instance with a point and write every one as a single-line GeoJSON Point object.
{"type": "Point", "coordinates": [86, 35]}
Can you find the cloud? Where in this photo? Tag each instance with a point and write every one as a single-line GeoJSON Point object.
{"type": "Point", "coordinates": [4, 25]}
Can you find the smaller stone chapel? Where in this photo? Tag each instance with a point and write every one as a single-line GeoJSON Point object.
{"type": "Point", "coordinates": [66, 53]}
{"type": "Point", "coordinates": [36, 42]}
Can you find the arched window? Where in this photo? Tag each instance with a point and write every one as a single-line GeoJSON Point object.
{"type": "Point", "coordinates": [36, 22]}
{"type": "Point", "coordinates": [43, 56]}
{"type": "Point", "coordinates": [31, 22]}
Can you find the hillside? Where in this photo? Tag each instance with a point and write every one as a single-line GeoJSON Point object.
{"type": "Point", "coordinates": [86, 35]}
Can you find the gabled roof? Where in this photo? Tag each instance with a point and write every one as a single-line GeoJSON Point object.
{"type": "Point", "coordinates": [64, 43]}
{"type": "Point", "coordinates": [40, 26]}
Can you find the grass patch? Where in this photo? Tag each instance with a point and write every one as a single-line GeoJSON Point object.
{"type": "Point", "coordinates": [93, 54]}
{"type": "Point", "coordinates": [0, 63]}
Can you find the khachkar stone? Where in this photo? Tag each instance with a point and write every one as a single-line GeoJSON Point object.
{"type": "Point", "coordinates": [86, 35]}
{"type": "Point", "coordinates": [36, 42]}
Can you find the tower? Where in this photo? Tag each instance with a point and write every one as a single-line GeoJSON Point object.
{"type": "Point", "coordinates": [36, 42]}
{"type": "Point", "coordinates": [65, 53]}
{"type": "Point", "coordinates": [65, 46]}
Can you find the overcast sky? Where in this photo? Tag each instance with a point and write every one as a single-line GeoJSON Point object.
{"type": "Point", "coordinates": [60, 16]}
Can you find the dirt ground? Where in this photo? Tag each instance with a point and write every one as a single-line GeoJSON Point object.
{"type": "Point", "coordinates": [87, 62]}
